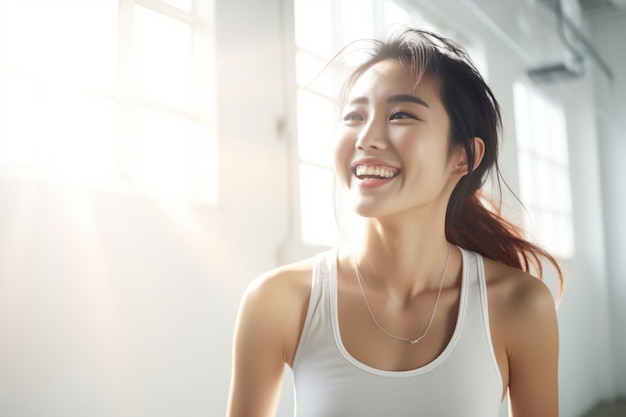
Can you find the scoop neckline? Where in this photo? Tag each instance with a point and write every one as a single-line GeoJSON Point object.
{"type": "Point", "coordinates": [410, 372]}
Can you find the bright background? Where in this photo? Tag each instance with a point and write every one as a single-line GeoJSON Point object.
{"type": "Point", "coordinates": [156, 156]}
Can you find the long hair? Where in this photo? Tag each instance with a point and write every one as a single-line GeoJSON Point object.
{"type": "Point", "coordinates": [472, 220]}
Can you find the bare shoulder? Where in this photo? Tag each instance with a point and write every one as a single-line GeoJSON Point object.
{"type": "Point", "coordinates": [268, 328]}
{"type": "Point", "coordinates": [282, 288]}
{"type": "Point", "coordinates": [516, 291]}
{"type": "Point", "coordinates": [274, 305]}
{"type": "Point", "coordinates": [522, 314]}
{"type": "Point", "coordinates": [520, 304]}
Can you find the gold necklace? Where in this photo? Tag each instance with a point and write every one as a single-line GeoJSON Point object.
{"type": "Point", "coordinates": [369, 309]}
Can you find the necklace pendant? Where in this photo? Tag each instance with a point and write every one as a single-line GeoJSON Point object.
{"type": "Point", "coordinates": [413, 341]}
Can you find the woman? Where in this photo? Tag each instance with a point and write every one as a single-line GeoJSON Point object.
{"type": "Point", "coordinates": [434, 312]}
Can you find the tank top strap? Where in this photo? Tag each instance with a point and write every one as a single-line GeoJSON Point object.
{"type": "Point", "coordinates": [318, 310]}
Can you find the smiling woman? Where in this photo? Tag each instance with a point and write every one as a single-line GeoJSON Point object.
{"type": "Point", "coordinates": [434, 310]}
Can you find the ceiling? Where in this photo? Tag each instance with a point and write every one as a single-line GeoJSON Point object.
{"type": "Point", "coordinates": [534, 29]}
{"type": "Point", "coordinates": [530, 27]}
{"type": "Point", "coordinates": [601, 8]}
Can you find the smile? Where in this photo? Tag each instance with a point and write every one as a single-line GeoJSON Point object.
{"type": "Point", "coordinates": [375, 171]}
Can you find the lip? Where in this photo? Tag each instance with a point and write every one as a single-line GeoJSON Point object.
{"type": "Point", "coordinates": [371, 182]}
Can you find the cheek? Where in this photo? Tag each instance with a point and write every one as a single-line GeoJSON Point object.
{"type": "Point", "coordinates": [420, 143]}
{"type": "Point", "coordinates": [344, 148]}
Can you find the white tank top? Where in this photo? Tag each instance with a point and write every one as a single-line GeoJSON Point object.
{"type": "Point", "coordinates": [464, 380]}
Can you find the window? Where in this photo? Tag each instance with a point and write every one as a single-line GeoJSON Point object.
{"type": "Point", "coordinates": [109, 92]}
{"type": "Point", "coordinates": [544, 169]}
{"type": "Point", "coordinates": [322, 28]}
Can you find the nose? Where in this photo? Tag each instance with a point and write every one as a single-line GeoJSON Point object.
{"type": "Point", "coordinates": [372, 136]}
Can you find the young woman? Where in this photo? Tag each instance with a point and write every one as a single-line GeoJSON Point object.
{"type": "Point", "coordinates": [433, 312]}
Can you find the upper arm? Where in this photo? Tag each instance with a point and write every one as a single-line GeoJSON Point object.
{"type": "Point", "coordinates": [533, 352]}
{"type": "Point", "coordinates": [267, 330]}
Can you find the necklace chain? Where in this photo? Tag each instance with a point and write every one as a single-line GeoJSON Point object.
{"type": "Point", "coordinates": [369, 309]}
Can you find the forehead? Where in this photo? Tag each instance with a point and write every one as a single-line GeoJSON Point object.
{"type": "Point", "coordinates": [392, 77]}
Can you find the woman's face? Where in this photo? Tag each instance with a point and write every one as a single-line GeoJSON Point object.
{"type": "Point", "coordinates": [392, 148]}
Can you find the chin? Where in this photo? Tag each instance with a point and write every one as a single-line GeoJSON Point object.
{"type": "Point", "coordinates": [369, 210]}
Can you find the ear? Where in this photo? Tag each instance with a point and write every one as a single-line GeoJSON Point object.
{"type": "Point", "coordinates": [479, 151]}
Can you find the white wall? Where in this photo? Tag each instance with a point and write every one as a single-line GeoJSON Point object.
{"type": "Point", "coordinates": [111, 305]}
{"type": "Point", "coordinates": [585, 367]}
{"type": "Point", "coordinates": [609, 34]}
{"type": "Point", "coordinates": [119, 305]}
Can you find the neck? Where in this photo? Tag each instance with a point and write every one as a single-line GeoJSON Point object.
{"type": "Point", "coordinates": [402, 258]}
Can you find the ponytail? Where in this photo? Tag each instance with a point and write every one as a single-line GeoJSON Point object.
{"type": "Point", "coordinates": [474, 223]}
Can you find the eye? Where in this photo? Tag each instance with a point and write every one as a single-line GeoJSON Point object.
{"type": "Point", "coordinates": [352, 117]}
{"type": "Point", "coordinates": [399, 115]}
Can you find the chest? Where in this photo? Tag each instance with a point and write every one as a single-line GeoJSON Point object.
{"type": "Point", "coordinates": [394, 338]}
{"type": "Point", "coordinates": [345, 368]}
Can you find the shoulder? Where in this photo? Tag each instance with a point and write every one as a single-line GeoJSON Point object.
{"type": "Point", "coordinates": [274, 305]}
{"type": "Point", "coordinates": [522, 305]}
{"type": "Point", "coordinates": [291, 278]}
{"type": "Point", "coordinates": [517, 289]}
{"type": "Point", "coordinates": [268, 327]}
{"type": "Point", "coordinates": [522, 314]}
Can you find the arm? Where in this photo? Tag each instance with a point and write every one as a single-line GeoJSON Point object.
{"type": "Point", "coordinates": [533, 353]}
{"type": "Point", "coordinates": [266, 334]}
{"type": "Point", "coordinates": [257, 361]}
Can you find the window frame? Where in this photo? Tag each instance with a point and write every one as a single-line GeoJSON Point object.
{"type": "Point", "coordinates": [543, 203]}
{"type": "Point", "coordinates": [200, 111]}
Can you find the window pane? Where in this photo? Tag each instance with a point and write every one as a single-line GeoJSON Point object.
{"type": "Point", "coordinates": [63, 109]}
{"type": "Point", "coordinates": [544, 169]}
{"type": "Point", "coordinates": [562, 191]}
{"type": "Point", "coordinates": [16, 138]}
{"type": "Point", "coordinates": [68, 42]}
{"type": "Point", "coordinates": [163, 66]}
{"type": "Point", "coordinates": [554, 231]}
{"type": "Point", "coordinates": [564, 245]}
{"type": "Point", "coordinates": [163, 153]}
{"type": "Point", "coordinates": [310, 73]}
{"type": "Point", "coordinates": [205, 165]}
{"type": "Point", "coordinates": [316, 128]}
{"type": "Point", "coordinates": [543, 228]}
{"type": "Point", "coordinates": [541, 134]}
{"type": "Point", "coordinates": [316, 206]}
{"type": "Point", "coordinates": [395, 14]}
{"type": "Point", "coordinates": [558, 145]}
{"type": "Point", "coordinates": [313, 26]}
{"type": "Point", "coordinates": [181, 4]}
{"type": "Point", "coordinates": [81, 136]}
{"type": "Point", "coordinates": [357, 19]}
{"type": "Point", "coordinates": [73, 134]}
{"type": "Point", "coordinates": [527, 174]}
{"type": "Point", "coordinates": [543, 186]}
{"type": "Point", "coordinates": [522, 114]}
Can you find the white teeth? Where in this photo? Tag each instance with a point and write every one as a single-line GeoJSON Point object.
{"type": "Point", "coordinates": [375, 171]}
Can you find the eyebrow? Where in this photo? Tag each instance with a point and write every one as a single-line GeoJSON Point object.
{"type": "Point", "coordinates": [396, 98]}
{"type": "Point", "coordinates": [407, 97]}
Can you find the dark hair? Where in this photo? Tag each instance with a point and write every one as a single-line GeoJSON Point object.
{"type": "Point", "coordinates": [472, 220]}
